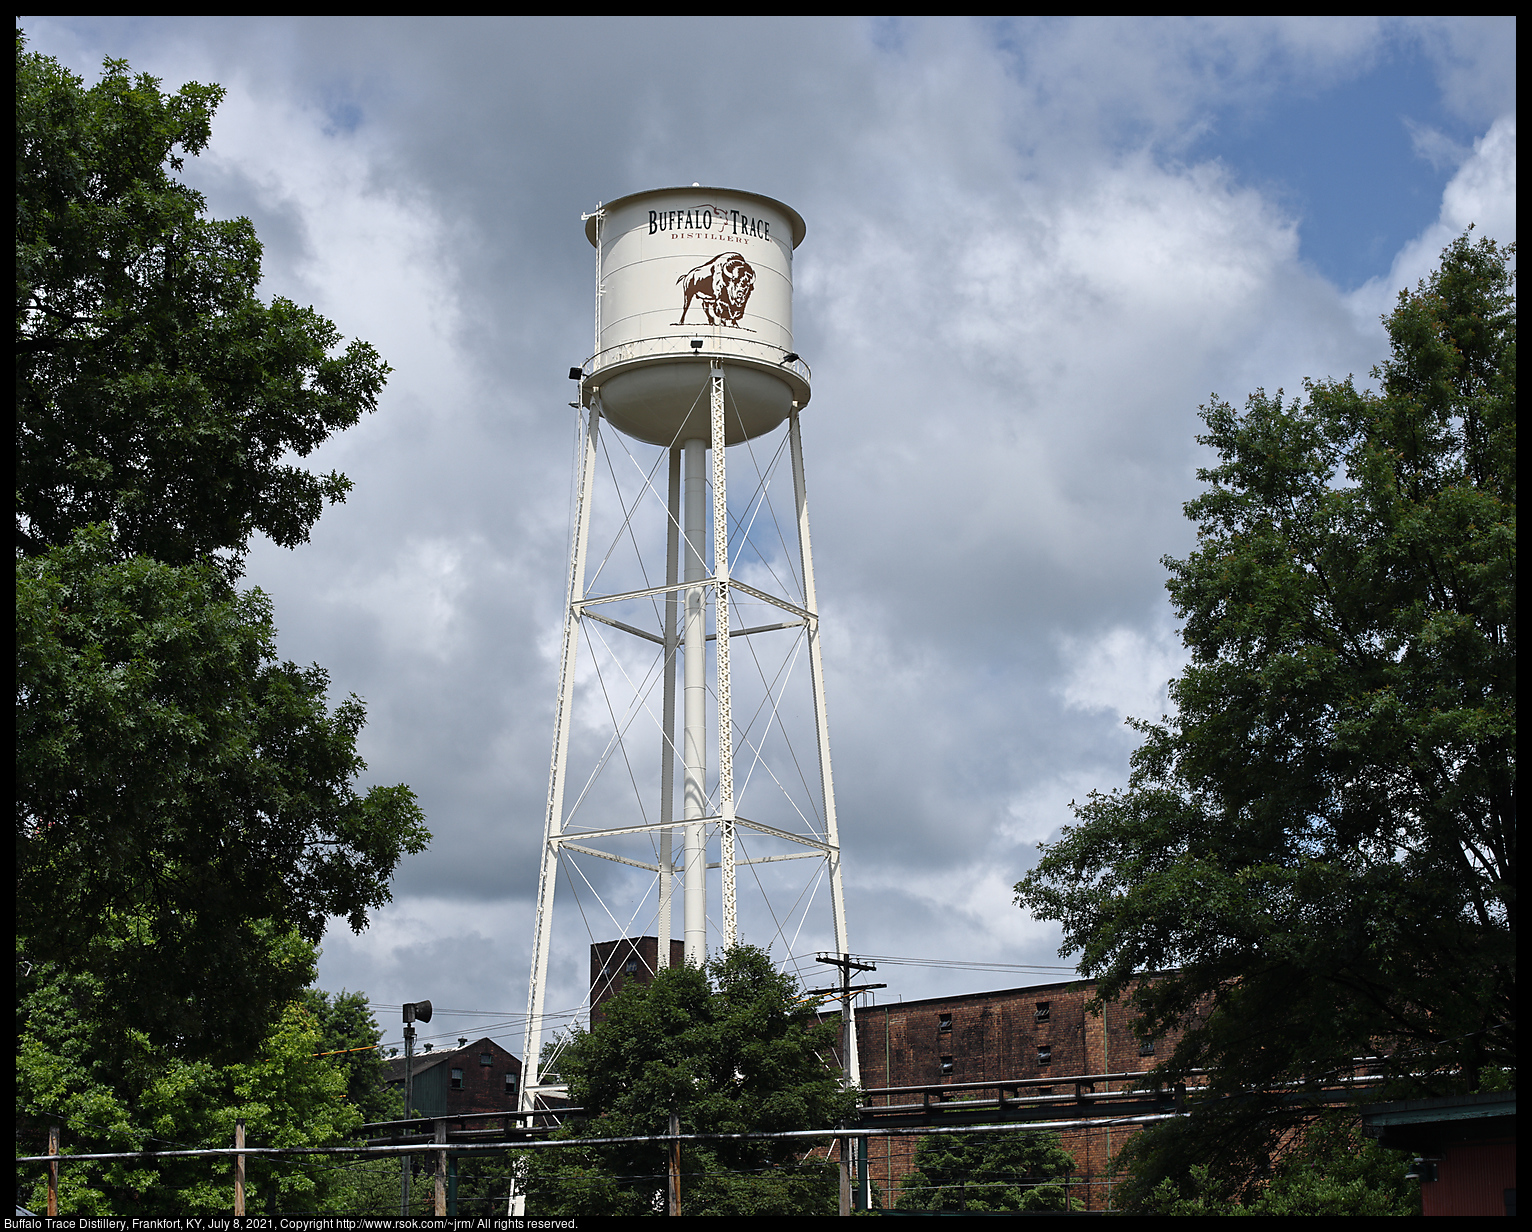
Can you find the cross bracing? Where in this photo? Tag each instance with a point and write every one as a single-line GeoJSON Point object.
{"type": "Point", "coordinates": [759, 809]}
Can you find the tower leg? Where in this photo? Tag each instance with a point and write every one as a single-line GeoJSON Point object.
{"type": "Point", "coordinates": [821, 724]}
{"type": "Point", "coordinates": [542, 929]}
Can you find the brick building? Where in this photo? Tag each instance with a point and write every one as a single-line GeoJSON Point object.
{"type": "Point", "coordinates": [1033, 1034]}
{"type": "Point", "coordinates": [472, 1078]}
{"type": "Point", "coordinates": [616, 964]}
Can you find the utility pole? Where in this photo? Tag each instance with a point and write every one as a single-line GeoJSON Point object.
{"type": "Point", "coordinates": [441, 1169]}
{"type": "Point", "coordinates": [404, 1160]}
{"type": "Point", "coordinates": [239, 1167]}
{"type": "Point", "coordinates": [53, 1167]}
{"type": "Point", "coordinates": [674, 1203]}
{"type": "Point", "coordinates": [412, 1010]}
{"type": "Point", "coordinates": [847, 965]}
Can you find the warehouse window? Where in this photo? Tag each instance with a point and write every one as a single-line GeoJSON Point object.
{"type": "Point", "coordinates": [944, 1022]}
{"type": "Point", "coordinates": [1146, 1048]}
{"type": "Point", "coordinates": [457, 1080]}
{"type": "Point", "coordinates": [1043, 1008]}
{"type": "Point", "coordinates": [632, 967]}
{"type": "Point", "coordinates": [1045, 1055]}
{"type": "Point", "coordinates": [486, 1059]}
{"type": "Point", "coordinates": [510, 1084]}
{"type": "Point", "coordinates": [946, 1065]}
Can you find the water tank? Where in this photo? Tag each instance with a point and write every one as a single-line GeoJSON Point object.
{"type": "Point", "coordinates": [686, 276]}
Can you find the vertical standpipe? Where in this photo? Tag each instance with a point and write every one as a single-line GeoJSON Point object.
{"type": "Point", "coordinates": [694, 740]}
{"type": "Point", "coordinates": [668, 711]}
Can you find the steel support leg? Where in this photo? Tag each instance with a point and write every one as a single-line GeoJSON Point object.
{"type": "Point", "coordinates": [821, 722]}
{"type": "Point", "coordinates": [543, 924]}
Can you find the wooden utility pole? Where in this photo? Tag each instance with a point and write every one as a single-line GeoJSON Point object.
{"type": "Point", "coordinates": [239, 1167]}
{"type": "Point", "coordinates": [675, 1165]}
{"type": "Point", "coordinates": [53, 1168]}
{"type": "Point", "coordinates": [847, 965]}
{"type": "Point", "coordinates": [441, 1167]}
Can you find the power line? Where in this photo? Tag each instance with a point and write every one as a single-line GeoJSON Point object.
{"type": "Point", "coordinates": [958, 964]}
{"type": "Point", "coordinates": [512, 1021]}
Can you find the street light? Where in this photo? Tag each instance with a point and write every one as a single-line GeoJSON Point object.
{"type": "Point", "coordinates": [413, 1011]}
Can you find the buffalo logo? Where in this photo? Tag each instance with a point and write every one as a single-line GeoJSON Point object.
{"type": "Point", "coordinates": [722, 286]}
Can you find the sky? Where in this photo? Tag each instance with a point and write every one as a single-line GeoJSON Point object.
{"type": "Point", "coordinates": [1035, 248]}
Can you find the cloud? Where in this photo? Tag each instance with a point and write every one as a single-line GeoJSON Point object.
{"type": "Point", "coordinates": [1123, 672]}
{"type": "Point", "coordinates": [1481, 193]}
{"type": "Point", "coordinates": [1475, 60]}
{"type": "Point", "coordinates": [1017, 287]}
{"type": "Point", "coordinates": [1436, 147]}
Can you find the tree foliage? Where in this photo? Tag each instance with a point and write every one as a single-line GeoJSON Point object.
{"type": "Point", "coordinates": [732, 1048]}
{"type": "Point", "coordinates": [988, 1173]}
{"type": "Point", "coordinates": [155, 392]}
{"type": "Point", "coordinates": [181, 794]}
{"type": "Point", "coordinates": [1320, 840]}
{"type": "Point", "coordinates": [349, 1035]}
{"type": "Point", "coordinates": [1325, 1167]}
{"type": "Point", "coordinates": [182, 797]}
{"type": "Point", "coordinates": [111, 1088]}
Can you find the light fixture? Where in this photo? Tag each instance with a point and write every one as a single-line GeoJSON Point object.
{"type": "Point", "coordinates": [413, 1011]}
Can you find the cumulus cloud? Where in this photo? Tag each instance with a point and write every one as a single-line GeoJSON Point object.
{"type": "Point", "coordinates": [1124, 672]}
{"type": "Point", "coordinates": [1482, 193]}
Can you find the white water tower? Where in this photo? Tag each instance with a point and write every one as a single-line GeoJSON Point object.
{"type": "Point", "coordinates": [693, 354]}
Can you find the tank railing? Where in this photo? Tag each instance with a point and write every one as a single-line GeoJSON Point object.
{"type": "Point", "coordinates": [713, 344]}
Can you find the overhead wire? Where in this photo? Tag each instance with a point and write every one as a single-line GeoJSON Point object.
{"type": "Point", "coordinates": [622, 728]}
{"type": "Point", "coordinates": [763, 488]}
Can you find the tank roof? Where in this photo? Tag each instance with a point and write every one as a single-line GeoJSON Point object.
{"type": "Point", "coordinates": [800, 229]}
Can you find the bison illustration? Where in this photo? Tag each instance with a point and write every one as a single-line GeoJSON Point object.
{"type": "Point", "coordinates": [722, 286]}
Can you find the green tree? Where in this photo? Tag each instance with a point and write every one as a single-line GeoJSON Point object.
{"type": "Point", "coordinates": [155, 392]}
{"type": "Point", "coordinates": [113, 1089]}
{"type": "Point", "coordinates": [732, 1048]}
{"type": "Point", "coordinates": [1323, 1168]}
{"type": "Point", "coordinates": [182, 797]}
{"type": "Point", "coordinates": [988, 1173]}
{"type": "Point", "coordinates": [350, 1035]}
{"type": "Point", "coordinates": [1319, 844]}
{"type": "Point", "coordinates": [181, 794]}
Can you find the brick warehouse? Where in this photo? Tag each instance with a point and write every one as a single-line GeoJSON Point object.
{"type": "Point", "coordinates": [1031, 1033]}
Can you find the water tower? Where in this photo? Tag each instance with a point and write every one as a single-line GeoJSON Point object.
{"type": "Point", "coordinates": [694, 355]}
